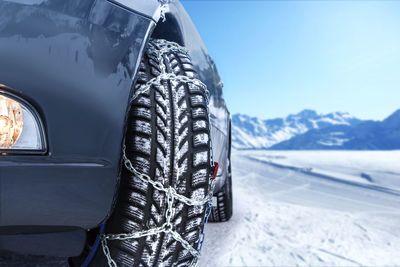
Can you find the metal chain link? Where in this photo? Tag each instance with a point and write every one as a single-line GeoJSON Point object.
{"type": "Point", "coordinates": [170, 192]}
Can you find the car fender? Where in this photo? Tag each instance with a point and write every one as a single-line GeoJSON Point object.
{"type": "Point", "coordinates": [75, 62]}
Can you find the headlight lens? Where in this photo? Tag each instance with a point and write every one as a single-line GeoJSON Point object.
{"type": "Point", "coordinates": [19, 128]}
{"type": "Point", "coordinates": [11, 122]}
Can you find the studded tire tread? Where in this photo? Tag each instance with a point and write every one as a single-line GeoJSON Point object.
{"type": "Point", "coordinates": [168, 139]}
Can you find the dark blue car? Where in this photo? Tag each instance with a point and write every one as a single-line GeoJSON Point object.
{"type": "Point", "coordinates": [114, 134]}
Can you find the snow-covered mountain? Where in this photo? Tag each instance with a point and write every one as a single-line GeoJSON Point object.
{"type": "Point", "coordinates": [367, 135]}
{"type": "Point", "coordinates": [254, 133]}
{"type": "Point", "coordinates": [310, 130]}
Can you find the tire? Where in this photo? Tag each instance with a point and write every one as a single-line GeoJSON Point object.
{"type": "Point", "coordinates": [167, 139]}
{"type": "Point", "coordinates": [222, 211]}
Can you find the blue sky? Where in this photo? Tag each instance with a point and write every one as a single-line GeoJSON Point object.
{"type": "Point", "coordinates": [279, 57]}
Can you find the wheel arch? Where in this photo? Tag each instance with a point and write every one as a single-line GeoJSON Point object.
{"type": "Point", "coordinates": [169, 29]}
{"type": "Point", "coordinates": [176, 25]}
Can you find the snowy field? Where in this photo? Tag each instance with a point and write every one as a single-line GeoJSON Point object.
{"type": "Point", "coordinates": [310, 208]}
{"type": "Point", "coordinates": [314, 208]}
{"type": "Point", "coordinates": [381, 168]}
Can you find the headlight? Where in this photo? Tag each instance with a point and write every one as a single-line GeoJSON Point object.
{"type": "Point", "coordinates": [20, 128]}
{"type": "Point", "coordinates": [11, 122]}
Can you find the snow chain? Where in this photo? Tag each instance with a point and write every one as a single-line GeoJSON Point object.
{"type": "Point", "coordinates": [170, 192]}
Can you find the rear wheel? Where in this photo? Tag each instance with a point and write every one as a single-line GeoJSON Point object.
{"type": "Point", "coordinates": [167, 140]}
{"type": "Point", "coordinates": [222, 200]}
{"type": "Point", "coordinates": [222, 211]}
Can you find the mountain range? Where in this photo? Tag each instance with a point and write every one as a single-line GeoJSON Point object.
{"type": "Point", "coordinates": [309, 130]}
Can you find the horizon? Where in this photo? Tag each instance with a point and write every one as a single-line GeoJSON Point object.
{"type": "Point", "coordinates": [279, 57]}
{"type": "Point", "coordinates": [319, 113]}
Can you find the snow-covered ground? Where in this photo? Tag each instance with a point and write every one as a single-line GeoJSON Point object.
{"type": "Point", "coordinates": [303, 216]}
{"type": "Point", "coordinates": [319, 208]}
{"type": "Point", "coordinates": [379, 168]}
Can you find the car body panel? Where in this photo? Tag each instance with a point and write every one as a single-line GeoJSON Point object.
{"type": "Point", "coordinates": [75, 62]}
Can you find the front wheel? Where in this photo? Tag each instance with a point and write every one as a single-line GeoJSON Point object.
{"type": "Point", "coordinates": [168, 144]}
